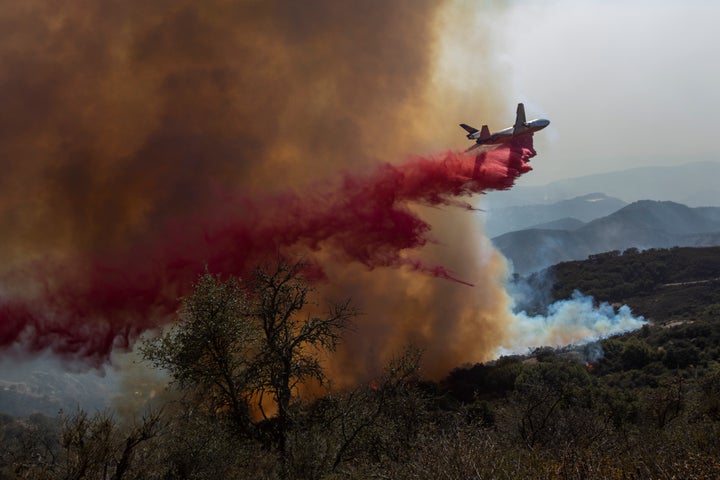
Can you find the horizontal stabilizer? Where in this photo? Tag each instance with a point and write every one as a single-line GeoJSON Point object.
{"type": "Point", "coordinates": [468, 128]}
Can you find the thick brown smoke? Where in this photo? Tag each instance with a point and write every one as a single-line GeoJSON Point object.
{"type": "Point", "coordinates": [118, 115]}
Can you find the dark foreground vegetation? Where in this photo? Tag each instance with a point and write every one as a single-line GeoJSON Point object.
{"type": "Point", "coordinates": [649, 408]}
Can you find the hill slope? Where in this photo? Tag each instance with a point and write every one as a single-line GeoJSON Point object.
{"type": "Point", "coordinates": [644, 224]}
{"type": "Point", "coordinates": [660, 284]}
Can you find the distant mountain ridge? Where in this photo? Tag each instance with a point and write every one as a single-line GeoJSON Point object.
{"type": "Point", "coordinates": [694, 184]}
{"type": "Point", "coordinates": [643, 224]}
{"type": "Point", "coordinates": [582, 209]}
{"type": "Point", "coordinates": [567, 223]}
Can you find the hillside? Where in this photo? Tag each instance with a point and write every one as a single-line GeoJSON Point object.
{"type": "Point", "coordinates": [661, 284]}
{"type": "Point", "coordinates": [652, 395]}
{"type": "Point", "coordinates": [647, 405]}
{"type": "Point", "coordinates": [644, 224]}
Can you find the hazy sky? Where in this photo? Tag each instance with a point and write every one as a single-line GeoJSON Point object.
{"type": "Point", "coordinates": [624, 83]}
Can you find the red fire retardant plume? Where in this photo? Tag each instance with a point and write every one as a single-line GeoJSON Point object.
{"type": "Point", "coordinates": [83, 307]}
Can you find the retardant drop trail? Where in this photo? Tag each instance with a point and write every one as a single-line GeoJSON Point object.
{"type": "Point", "coordinates": [83, 306]}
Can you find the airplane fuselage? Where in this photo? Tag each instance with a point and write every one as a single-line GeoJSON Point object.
{"type": "Point", "coordinates": [507, 134]}
{"type": "Point", "coordinates": [521, 127]}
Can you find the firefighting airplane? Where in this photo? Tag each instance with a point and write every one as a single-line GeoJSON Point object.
{"type": "Point", "coordinates": [521, 127]}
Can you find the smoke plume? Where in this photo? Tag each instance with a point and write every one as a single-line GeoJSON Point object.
{"type": "Point", "coordinates": [573, 321]}
{"type": "Point", "coordinates": [140, 140]}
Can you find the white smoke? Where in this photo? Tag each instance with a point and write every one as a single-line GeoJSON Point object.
{"type": "Point", "coordinates": [576, 321]}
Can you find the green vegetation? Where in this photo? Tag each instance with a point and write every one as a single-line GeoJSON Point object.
{"type": "Point", "coordinates": [659, 284]}
{"type": "Point", "coordinates": [649, 408]}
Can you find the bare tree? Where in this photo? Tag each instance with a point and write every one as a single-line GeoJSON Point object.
{"type": "Point", "coordinates": [291, 338]}
{"type": "Point", "coordinates": [138, 434]}
{"type": "Point", "coordinates": [388, 408]}
{"type": "Point", "coordinates": [82, 446]}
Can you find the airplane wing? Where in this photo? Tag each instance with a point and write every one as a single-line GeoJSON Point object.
{"type": "Point", "coordinates": [519, 118]}
{"type": "Point", "coordinates": [468, 128]}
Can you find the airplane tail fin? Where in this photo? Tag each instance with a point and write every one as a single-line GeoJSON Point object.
{"type": "Point", "coordinates": [519, 118]}
{"type": "Point", "coordinates": [484, 133]}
